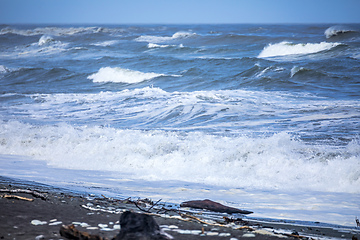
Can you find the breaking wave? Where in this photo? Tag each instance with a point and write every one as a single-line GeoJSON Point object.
{"type": "Point", "coordinates": [274, 162]}
{"type": "Point", "coordinates": [337, 30]}
{"type": "Point", "coordinates": [288, 48]}
{"type": "Point", "coordinates": [159, 39]}
{"type": "Point", "coordinates": [122, 75]}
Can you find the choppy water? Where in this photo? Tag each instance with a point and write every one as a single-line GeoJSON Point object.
{"type": "Point", "coordinates": [247, 110]}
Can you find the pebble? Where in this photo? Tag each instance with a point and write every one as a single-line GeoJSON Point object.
{"type": "Point", "coordinates": [212, 233]}
{"type": "Point", "coordinates": [224, 234]}
{"type": "Point", "coordinates": [39, 237]}
{"type": "Point", "coordinates": [38, 222]}
{"type": "Point", "coordinates": [55, 223]}
{"type": "Point", "coordinates": [248, 235]}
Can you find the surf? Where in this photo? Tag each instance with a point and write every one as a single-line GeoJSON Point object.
{"type": "Point", "coordinates": [122, 75]}
{"type": "Point", "coordinates": [289, 48]}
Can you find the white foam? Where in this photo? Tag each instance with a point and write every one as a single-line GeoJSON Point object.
{"type": "Point", "coordinates": [154, 45]}
{"type": "Point", "coordinates": [274, 162]}
{"type": "Point", "coordinates": [159, 39]}
{"type": "Point", "coordinates": [106, 43]}
{"type": "Point", "coordinates": [46, 39]}
{"type": "Point", "coordinates": [288, 48]}
{"type": "Point", "coordinates": [122, 75]}
{"type": "Point", "coordinates": [4, 69]}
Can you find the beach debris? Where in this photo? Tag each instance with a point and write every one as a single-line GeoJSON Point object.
{"type": "Point", "coordinates": [140, 226]}
{"type": "Point", "coordinates": [70, 232]}
{"type": "Point", "coordinates": [17, 197]}
{"type": "Point", "coordinates": [39, 237]}
{"type": "Point", "coordinates": [38, 222]}
{"type": "Point", "coordinates": [33, 193]}
{"type": "Point", "coordinates": [152, 204]}
{"type": "Point", "coordinates": [213, 206]}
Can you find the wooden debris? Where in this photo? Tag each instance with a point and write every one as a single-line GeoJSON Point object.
{"type": "Point", "coordinates": [17, 197]}
{"type": "Point", "coordinates": [70, 232]}
{"type": "Point", "coordinates": [246, 227]}
{"type": "Point", "coordinates": [34, 193]}
{"type": "Point", "coordinates": [212, 206]}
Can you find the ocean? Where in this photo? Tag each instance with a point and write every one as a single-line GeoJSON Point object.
{"type": "Point", "coordinates": [259, 117]}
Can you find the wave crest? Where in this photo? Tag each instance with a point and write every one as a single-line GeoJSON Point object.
{"type": "Point", "coordinates": [122, 75]}
{"type": "Point", "coordinates": [337, 30]}
{"type": "Point", "coordinates": [159, 39]}
{"type": "Point", "coordinates": [288, 48]}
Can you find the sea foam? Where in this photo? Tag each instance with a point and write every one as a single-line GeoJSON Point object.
{"type": "Point", "coordinates": [288, 48]}
{"type": "Point", "coordinates": [121, 75]}
{"type": "Point", "coordinates": [274, 162]}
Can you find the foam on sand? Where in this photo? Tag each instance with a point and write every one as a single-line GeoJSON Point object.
{"type": "Point", "coordinates": [288, 48]}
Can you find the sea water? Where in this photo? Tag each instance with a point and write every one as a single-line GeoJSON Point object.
{"type": "Point", "coordinates": [260, 117]}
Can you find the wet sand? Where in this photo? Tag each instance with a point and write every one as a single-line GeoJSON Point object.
{"type": "Point", "coordinates": [99, 215]}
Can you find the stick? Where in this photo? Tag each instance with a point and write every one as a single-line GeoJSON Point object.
{"type": "Point", "coordinates": [34, 193]}
{"type": "Point", "coordinates": [17, 197]}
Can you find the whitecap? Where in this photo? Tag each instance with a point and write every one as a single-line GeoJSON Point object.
{"type": "Point", "coordinates": [122, 75]}
{"type": "Point", "coordinates": [4, 69]}
{"type": "Point", "coordinates": [105, 43]}
{"type": "Point", "coordinates": [45, 40]}
{"type": "Point", "coordinates": [336, 30]}
{"type": "Point", "coordinates": [154, 45]}
{"type": "Point", "coordinates": [158, 39]}
{"type": "Point", "coordinates": [288, 48]}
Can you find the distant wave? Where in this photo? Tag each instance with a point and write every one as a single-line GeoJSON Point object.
{"type": "Point", "coordinates": [158, 39]}
{"type": "Point", "coordinates": [46, 39]}
{"type": "Point", "coordinates": [154, 45]}
{"type": "Point", "coordinates": [122, 75]}
{"type": "Point", "coordinates": [288, 48]}
{"type": "Point", "coordinates": [337, 30]}
{"type": "Point", "coordinates": [105, 43]}
{"type": "Point", "coordinates": [4, 69]}
{"type": "Point", "coordinates": [56, 31]}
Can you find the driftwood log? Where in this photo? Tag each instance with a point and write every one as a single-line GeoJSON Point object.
{"type": "Point", "coordinates": [70, 232]}
{"type": "Point", "coordinates": [33, 193]}
{"type": "Point", "coordinates": [213, 206]}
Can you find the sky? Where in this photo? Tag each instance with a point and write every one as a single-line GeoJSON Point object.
{"type": "Point", "coordinates": [178, 11]}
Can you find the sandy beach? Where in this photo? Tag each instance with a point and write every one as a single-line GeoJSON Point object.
{"type": "Point", "coordinates": [31, 216]}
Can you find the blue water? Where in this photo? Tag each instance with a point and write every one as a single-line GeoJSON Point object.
{"type": "Point", "coordinates": [258, 110]}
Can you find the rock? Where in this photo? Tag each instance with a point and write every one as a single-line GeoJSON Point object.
{"type": "Point", "coordinates": [213, 206]}
{"type": "Point", "coordinates": [138, 226]}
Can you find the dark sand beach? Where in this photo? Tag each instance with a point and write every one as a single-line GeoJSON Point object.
{"type": "Point", "coordinates": [99, 215]}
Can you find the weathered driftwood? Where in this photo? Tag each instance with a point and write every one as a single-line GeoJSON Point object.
{"type": "Point", "coordinates": [70, 232]}
{"type": "Point", "coordinates": [213, 206]}
{"type": "Point", "coordinates": [33, 193]}
{"type": "Point", "coordinates": [17, 197]}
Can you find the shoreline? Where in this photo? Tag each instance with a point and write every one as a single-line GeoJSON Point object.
{"type": "Point", "coordinates": [99, 215]}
